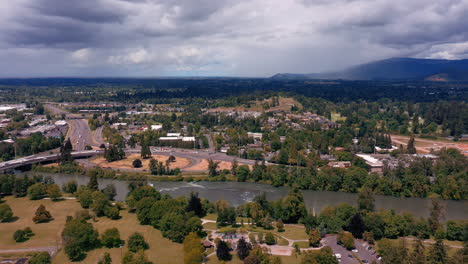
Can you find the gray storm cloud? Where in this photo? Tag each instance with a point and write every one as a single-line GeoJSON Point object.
{"type": "Point", "coordinates": [222, 37]}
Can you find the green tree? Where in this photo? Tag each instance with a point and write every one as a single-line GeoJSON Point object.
{"type": "Point", "coordinates": [411, 148]}
{"type": "Point", "coordinates": [293, 207]}
{"type": "Point", "coordinates": [357, 226]}
{"type": "Point", "coordinates": [418, 255]}
{"type": "Point", "coordinates": [79, 237]}
{"type": "Point", "coordinates": [37, 191]}
{"type": "Point", "coordinates": [435, 214]}
{"type": "Point", "coordinates": [243, 173]}
{"type": "Point", "coordinates": [322, 256]}
{"type": "Point", "coordinates": [106, 259]}
{"type": "Point", "coordinates": [53, 191]}
{"type": "Point", "coordinates": [135, 258]}
{"type": "Point", "coordinates": [243, 248]}
{"type": "Point", "coordinates": [213, 168]}
{"type": "Point", "coordinates": [84, 195]}
{"type": "Point", "coordinates": [346, 239]}
{"type": "Point", "coordinates": [366, 201]}
{"type": "Point", "coordinates": [314, 238]}
{"type": "Point", "coordinates": [280, 225]}
{"type": "Point", "coordinates": [222, 251]}
{"type": "Point", "coordinates": [193, 250]}
{"type": "Point", "coordinates": [137, 163]}
{"type": "Point", "coordinates": [65, 152]}
{"type": "Point", "coordinates": [111, 238]}
{"type": "Point", "coordinates": [6, 214]}
{"type": "Point", "coordinates": [137, 242]}
{"type": "Point", "coordinates": [145, 151]}
{"type": "Point", "coordinates": [19, 236]}
{"type": "Point", "coordinates": [153, 166]}
{"type": "Point", "coordinates": [70, 187]}
{"type": "Point", "coordinates": [93, 184]}
{"type": "Point", "coordinates": [270, 239]}
{"type": "Point", "coordinates": [438, 253]}
{"type": "Point", "coordinates": [100, 203]}
{"type": "Point", "coordinates": [42, 215]}
{"type": "Point", "coordinates": [194, 205]}
{"type": "Point", "coordinates": [40, 258]}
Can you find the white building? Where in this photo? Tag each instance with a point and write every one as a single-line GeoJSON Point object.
{"type": "Point", "coordinates": [156, 127]}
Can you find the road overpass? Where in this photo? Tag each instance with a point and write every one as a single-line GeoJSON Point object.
{"type": "Point", "coordinates": [40, 158]}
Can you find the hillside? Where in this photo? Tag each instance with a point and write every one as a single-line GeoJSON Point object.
{"type": "Point", "coordinates": [394, 69]}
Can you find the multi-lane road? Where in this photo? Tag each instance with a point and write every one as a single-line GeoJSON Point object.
{"type": "Point", "coordinates": [78, 129]}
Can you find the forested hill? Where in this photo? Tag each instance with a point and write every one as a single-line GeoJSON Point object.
{"type": "Point", "coordinates": [138, 89]}
{"type": "Point", "coordinates": [394, 69]}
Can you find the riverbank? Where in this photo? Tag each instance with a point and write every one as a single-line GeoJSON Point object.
{"type": "Point", "coordinates": [237, 193]}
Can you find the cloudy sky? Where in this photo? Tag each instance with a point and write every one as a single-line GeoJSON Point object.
{"type": "Point", "coordinates": [222, 37]}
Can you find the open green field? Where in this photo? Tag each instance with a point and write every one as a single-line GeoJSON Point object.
{"type": "Point", "coordinates": [46, 234]}
{"type": "Point", "coordinates": [161, 251]}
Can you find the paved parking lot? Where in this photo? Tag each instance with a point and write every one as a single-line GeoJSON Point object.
{"type": "Point", "coordinates": [330, 241]}
{"type": "Point", "coordinates": [361, 246]}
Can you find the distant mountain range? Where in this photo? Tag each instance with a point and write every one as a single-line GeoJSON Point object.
{"type": "Point", "coordinates": [393, 69]}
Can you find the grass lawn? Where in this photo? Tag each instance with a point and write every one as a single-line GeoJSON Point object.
{"type": "Point", "coordinates": [161, 250]}
{"type": "Point", "coordinates": [291, 232]}
{"type": "Point", "coordinates": [281, 241]}
{"type": "Point", "coordinates": [210, 226]}
{"type": "Point", "coordinates": [211, 217]}
{"type": "Point", "coordinates": [301, 244]}
{"type": "Point", "coordinates": [46, 234]}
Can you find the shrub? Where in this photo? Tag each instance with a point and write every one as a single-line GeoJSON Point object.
{"type": "Point", "coordinates": [270, 239]}
{"type": "Point", "coordinates": [79, 237]}
{"type": "Point", "coordinates": [112, 212]}
{"type": "Point", "coordinates": [70, 187]}
{"type": "Point", "coordinates": [280, 226]}
{"type": "Point", "coordinates": [19, 236]}
{"type": "Point", "coordinates": [40, 258]}
{"type": "Point", "coordinates": [346, 239]}
{"type": "Point", "coordinates": [137, 163]}
{"type": "Point", "coordinates": [37, 191]}
{"type": "Point", "coordinates": [137, 242]}
{"type": "Point", "coordinates": [42, 215]}
{"type": "Point", "coordinates": [111, 238]}
{"type": "Point", "coordinates": [53, 191]}
{"type": "Point", "coordinates": [22, 235]}
{"type": "Point", "coordinates": [82, 214]}
{"type": "Point", "coordinates": [6, 214]}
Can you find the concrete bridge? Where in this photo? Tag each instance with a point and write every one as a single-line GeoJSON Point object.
{"type": "Point", "coordinates": [40, 158]}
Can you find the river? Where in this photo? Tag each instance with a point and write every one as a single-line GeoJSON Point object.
{"type": "Point", "coordinates": [237, 193]}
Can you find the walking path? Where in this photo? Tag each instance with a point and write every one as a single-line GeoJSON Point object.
{"type": "Point", "coordinates": [51, 250]}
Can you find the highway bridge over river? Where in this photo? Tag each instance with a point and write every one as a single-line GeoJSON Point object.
{"type": "Point", "coordinates": [41, 158]}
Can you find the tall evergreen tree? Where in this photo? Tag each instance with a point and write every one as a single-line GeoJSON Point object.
{"type": "Point", "coordinates": [356, 226]}
{"type": "Point", "coordinates": [411, 148]}
{"type": "Point", "coordinates": [194, 205]}
{"type": "Point", "coordinates": [145, 151]}
{"type": "Point", "coordinates": [438, 253]}
{"type": "Point", "coordinates": [93, 182]}
{"type": "Point", "coordinates": [222, 251]}
{"type": "Point", "coordinates": [243, 248]}
{"type": "Point", "coordinates": [65, 152]}
{"type": "Point", "coordinates": [418, 256]}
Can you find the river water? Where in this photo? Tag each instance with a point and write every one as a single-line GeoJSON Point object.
{"type": "Point", "coordinates": [237, 193]}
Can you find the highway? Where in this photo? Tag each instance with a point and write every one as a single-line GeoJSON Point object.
{"type": "Point", "coordinates": [78, 129]}
{"type": "Point", "coordinates": [79, 134]}
{"type": "Point", "coordinates": [12, 164]}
